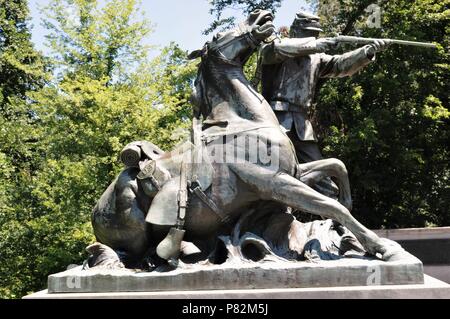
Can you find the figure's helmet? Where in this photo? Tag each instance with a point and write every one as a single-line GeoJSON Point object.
{"type": "Point", "coordinates": [304, 21]}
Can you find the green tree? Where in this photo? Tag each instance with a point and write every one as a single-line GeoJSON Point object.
{"type": "Point", "coordinates": [22, 70]}
{"type": "Point", "coordinates": [98, 102]}
{"type": "Point", "coordinates": [21, 66]}
{"type": "Point", "coordinates": [389, 123]}
{"type": "Point", "coordinates": [96, 40]}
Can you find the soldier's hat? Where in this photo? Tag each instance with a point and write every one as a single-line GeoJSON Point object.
{"type": "Point", "coordinates": [306, 21]}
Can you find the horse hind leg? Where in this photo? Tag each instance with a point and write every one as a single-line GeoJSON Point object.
{"type": "Point", "coordinates": [312, 172]}
{"type": "Point", "coordinates": [290, 191]}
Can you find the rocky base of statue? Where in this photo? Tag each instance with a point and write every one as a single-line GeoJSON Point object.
{"type": "Point", "coordinates": [325, 255]}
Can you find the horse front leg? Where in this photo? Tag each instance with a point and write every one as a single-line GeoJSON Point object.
{"type": "Point", "coordinates": [290, 191]}
{"type": "Point", "coordinates": [312, 172]}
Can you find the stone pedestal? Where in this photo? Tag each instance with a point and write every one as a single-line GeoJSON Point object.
{"type": "Point", "coordinates": [346, 277]}
{"type": "Point", "coordinates": [343, 278]}
{"type": "Point", "coordinates": [335, 273]}
{"type": "Point", "coordinates": [430, 289]}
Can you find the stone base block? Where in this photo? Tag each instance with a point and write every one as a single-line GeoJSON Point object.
{"type": "Point", "coordinates": [336, 273]}
{"type": "Point", "coordinates": [430, 289]}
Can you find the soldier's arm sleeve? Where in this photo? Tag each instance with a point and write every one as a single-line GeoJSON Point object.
{"type": "Point", "coordinates": [282, 49]}
{"type": "Point", "coordinates": [346, 64]}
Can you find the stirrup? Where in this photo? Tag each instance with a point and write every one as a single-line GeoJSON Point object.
{"type": "Point", "coordinates": [169, 248]}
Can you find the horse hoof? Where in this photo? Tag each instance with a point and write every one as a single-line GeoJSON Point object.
{"type": "Point", "coordinates": [170, 265]}
{"type": "Point", "coordinates": [392, 251]}
{"type": "Point", "coordinates": [173, 262]}
{"type": "Point", "coordinates": [103, 256]}
{"type": "Point", "coordinates": [396, 256]}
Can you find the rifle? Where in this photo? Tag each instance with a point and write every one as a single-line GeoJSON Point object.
{"type": "Point", "coordinates": [360, 40]}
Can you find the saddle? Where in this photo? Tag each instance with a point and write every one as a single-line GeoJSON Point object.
{"type": "Point", "coordinates": [197, 179]}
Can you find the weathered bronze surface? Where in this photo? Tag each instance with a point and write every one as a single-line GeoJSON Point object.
{"type": "Point", "coordinates": [225, 194]}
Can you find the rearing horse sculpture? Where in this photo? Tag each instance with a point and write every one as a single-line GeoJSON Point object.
{"type": "Point", "coordinates": [230, 107]}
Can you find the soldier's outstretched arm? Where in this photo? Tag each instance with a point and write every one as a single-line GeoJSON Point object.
{"type": "Point", "coordinates": [351, 62]}
{"type": "Point", "coordinates": [282, 49]}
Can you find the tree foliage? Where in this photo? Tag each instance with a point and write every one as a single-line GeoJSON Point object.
{"type": "Point", "coordinates": [219, 6]}
{"type": "Point", "coordinates": [22, 70]}
{"type": "Point", "coordinates": [389, 123]}
{"type": "Point", "coordinates": [105, 93]}
{"type": "Point", "coordinates": [97, 40]}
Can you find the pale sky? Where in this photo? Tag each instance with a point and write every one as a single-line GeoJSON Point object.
{"type": "Point", "coordinates": [181, 21]}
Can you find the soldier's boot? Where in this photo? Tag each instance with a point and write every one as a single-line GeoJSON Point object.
{"type": "Point", "coordinates": [169, 248]}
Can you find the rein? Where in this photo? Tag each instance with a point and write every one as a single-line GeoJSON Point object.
{"type": "Point", "coordinates": [226, 41]}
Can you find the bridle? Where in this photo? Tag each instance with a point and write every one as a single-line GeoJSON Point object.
{"type": "Point", "coordinates": [216, 47]}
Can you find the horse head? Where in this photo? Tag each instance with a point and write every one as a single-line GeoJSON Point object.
{"type": "Point", "coordinates": [235, 46]}
{"type": "Point", "coordinates": [229, 49]}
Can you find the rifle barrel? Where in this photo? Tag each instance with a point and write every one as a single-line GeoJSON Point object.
{"type": "Point", "coordinates": [360, 40]}
{"type": "Point", "coordinates": [415, 43]}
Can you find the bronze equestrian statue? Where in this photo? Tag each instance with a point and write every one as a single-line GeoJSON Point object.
{"type": "Point", "coordinates": [172, 197]}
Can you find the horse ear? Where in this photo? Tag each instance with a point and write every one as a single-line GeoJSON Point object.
{"type": "Point", "coordinates": [194, 54]}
